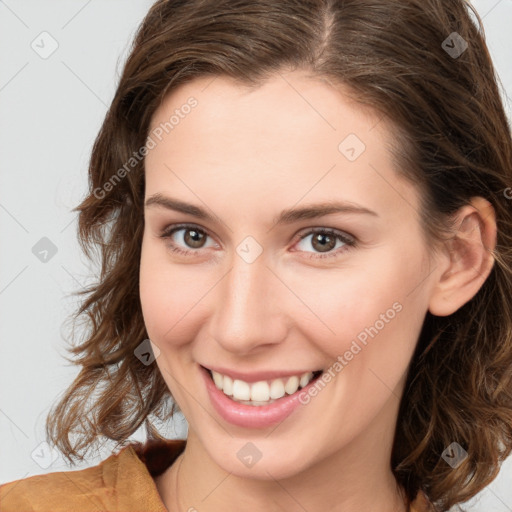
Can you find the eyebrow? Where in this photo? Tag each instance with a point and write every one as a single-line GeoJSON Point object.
{"type": "Point", "coordinates": [287, 216]}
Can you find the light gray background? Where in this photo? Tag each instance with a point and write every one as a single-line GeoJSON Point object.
{"type": "Point", "coordinates": [50, 112]}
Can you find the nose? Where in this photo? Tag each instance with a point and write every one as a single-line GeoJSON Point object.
{"type": "Point", "coordinates": [249, 311]}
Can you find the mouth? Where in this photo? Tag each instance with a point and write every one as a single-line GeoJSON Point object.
{"type": "Point", "coordinates": [263, 392]}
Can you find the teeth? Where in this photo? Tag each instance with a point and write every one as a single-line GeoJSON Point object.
{"type": "Point", "coordinates": [304, 379]}
{"type": "Point", "coordinates": [218, 379]}
{"type": "Point", "coordinates": [254, 402]}
{"type": "Point", "coordinates": [241, 390]}
{"type": "Point", "coordinates": [227, 385]}
{"type": "Point", "coordinates": [292, 384]}
{"type": "Point", "coordinates": [262, 392]}
{"type": "Point", "coordinates": [277, 389]}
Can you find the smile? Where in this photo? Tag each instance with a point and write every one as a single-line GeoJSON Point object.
{"type": "Point", "coordinates": [256, 413]}
{"type": "Point", "coordinates": [262, 392]}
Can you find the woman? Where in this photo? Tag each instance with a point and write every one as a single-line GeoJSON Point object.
{"type": "Point", "coordinates": [305, 206]}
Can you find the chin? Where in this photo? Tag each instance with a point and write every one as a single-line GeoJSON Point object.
{"type": "Point", "coordinates": [260, 459]}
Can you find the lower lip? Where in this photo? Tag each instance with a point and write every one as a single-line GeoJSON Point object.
{"type": "Point", "coordinates": [252, 416]}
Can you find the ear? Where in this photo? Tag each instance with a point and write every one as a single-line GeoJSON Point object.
{"type": "Point", "coordinates": [467, 261]}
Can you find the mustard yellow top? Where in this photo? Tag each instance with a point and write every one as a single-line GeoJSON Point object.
{"type": "Point", "coordinates": [121, 483]}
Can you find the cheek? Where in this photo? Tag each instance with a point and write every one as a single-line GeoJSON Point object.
{"type": "Point", "coordinates": [375, 318]}
{"type": "Point", "coordinates": [163, 293]}
{"type": "Point", "coordinates": [174, 298]}
{"type": "Point", "coordinates": [369, 311]}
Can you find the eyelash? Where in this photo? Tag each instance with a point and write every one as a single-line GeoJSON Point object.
{"type": "Point", "coordinates": [349, 241]}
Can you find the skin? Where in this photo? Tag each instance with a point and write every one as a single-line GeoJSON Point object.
{"type": "Point", "coordinates": [245, 155]}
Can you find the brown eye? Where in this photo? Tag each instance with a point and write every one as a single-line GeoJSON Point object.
{"type": "Point", "coordinates": [185, 239]}
{"type": "Point", "coordinates": [324, 240]}
{"type": "Point", "coordinates": [194, 238]}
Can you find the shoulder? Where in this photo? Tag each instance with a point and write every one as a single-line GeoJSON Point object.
{"type": "Point", "coordinates": [40, 491]}
{"type": "Point", "coordinates": [108, 486]}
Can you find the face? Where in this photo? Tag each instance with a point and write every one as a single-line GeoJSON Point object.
{"type": "Point", "coordinates": [256, 294]}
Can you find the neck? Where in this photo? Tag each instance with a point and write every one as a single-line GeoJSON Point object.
{"type": "Point", "coordinates": [361, 472]}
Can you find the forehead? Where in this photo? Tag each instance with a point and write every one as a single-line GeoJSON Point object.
{"type": "Point", "coordinates": [291, 99]}
{"type": "Point", "coordinates": [292, 137]}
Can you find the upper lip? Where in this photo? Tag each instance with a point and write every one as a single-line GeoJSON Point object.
{"type": "Point", "coordinates": [256, 376]}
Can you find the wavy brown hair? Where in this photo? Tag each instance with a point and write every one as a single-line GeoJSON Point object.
{"type": "Point", "coordinates": [452, 140]}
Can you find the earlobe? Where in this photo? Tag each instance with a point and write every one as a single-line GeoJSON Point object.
{"type": "Point", "coordinates": [470, 259]}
